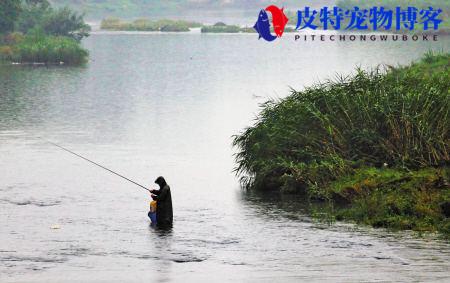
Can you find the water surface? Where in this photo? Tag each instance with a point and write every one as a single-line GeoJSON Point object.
{"type": "Point", "coordinates": [168, 104]}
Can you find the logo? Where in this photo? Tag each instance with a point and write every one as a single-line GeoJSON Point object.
{"type": "Point", "coordinates": [372, 18]}
{"type": "Point", "coordinates": [262, 25]}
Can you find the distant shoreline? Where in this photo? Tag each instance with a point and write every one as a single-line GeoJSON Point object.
{"type": "Point", "coordinates": [196, 31]}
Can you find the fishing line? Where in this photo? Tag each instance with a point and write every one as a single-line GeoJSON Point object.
{"type": "Point", "coordinates": [95, 163]}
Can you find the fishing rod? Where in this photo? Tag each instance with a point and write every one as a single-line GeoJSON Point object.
{"type": "Point", "coordinates": [95, 163]}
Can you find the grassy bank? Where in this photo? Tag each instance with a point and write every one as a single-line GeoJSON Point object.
{"type": "Point", "coordinates": [368, 141]}
{"type": "Point", "coordinates": [395, 198]}
{"type": "Point", "coordinates": [46, 49]}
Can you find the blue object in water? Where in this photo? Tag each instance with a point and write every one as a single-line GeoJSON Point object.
{"type": "Point", "coordinates": [152, 216]}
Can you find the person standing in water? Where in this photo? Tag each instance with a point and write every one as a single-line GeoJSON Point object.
{"type": "Point", "coordinates": [164, 212]}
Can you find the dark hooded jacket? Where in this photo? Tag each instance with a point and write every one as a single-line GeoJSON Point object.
{"type": "Point", "coordinates": [164, 213]}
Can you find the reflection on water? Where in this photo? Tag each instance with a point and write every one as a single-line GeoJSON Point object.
{"type": "Point", "coordinates": [150, 105]}
{"type": "Point", "coordinates": [289, 206]}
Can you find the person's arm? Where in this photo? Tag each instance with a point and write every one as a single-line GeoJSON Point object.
{"type": "Point", "coordinates": [162, 194]}
{"type": "Point", "coordinates": [155, 192]}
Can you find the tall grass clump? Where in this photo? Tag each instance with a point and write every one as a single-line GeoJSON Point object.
{"type": "Point", "coordinates": [397, 117]}
{"type": "Point", "coordinates": [49, 49]}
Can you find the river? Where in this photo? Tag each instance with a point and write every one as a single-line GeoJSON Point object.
{"type": "Point", "coordinates": [168, 104]}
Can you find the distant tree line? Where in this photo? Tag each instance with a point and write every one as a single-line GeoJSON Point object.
{"type": "Point", "coordinates": [38, 16]}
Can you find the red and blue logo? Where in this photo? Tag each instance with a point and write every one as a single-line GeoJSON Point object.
{"type": "Point", "coordinates": [279, 21]}
{"type": "Point", "coordinates": [356, 18]}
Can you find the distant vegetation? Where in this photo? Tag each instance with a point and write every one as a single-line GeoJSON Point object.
{"type": "Point", "coordinates": [34, 32]}
{"type": "Point", "coordinates": [166, 25]}
{"type": "Point", "coordinates": [143, 24]}
{"type": "Point", "coordinates": [221, 28]}
{"type": "Point", "coordinates": [147, 25]}
{"type": "Point", "coordinates": [376, 141]}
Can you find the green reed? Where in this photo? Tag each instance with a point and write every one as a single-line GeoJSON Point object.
{"type": "Point", "coordinates": [39, 48]}
{"type": "Point", "coordinates": [386, 116]}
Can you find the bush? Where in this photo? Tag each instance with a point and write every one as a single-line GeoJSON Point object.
{"type": "Point", "coordinates": [13, 38]}
{"type": "Point", "coordinates": [57, 22]}
{"type": "Point", "coordinates": [64, 22]}
{"type": "Point", "coordinates": [6, 53]}
{"type": "Point", "coordinates": [400, 118]}
{"type": "Point", "coordinates": [50, 49]}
